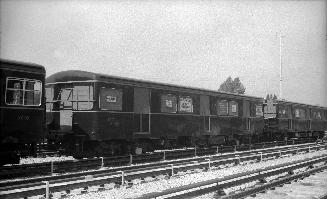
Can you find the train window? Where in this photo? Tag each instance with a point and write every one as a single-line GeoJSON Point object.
{"type": "Point", "coordinates": [252, 109]}
{"type": "Point", "coordinates": [303, 113]}
{"type": "Point", "coordinates": [222, 107]}
{"type": "Point", "coordinates": [316, 115]}
{"type": "Point", "coordinates": [111, 99]}
{"type": "Point", "coordinates": [282, 111]}
{"type": "Point", "coordinates": [300, 113]}
{"type": "Point", "coordinates": [32, 93]}
{"type": "Point", "coordinates": [24, 92]}
{"type": "Point", "coordinates": [168, 103]}
{"type": "Point", "coordinates": [49, 98]}
{"type": "Point", "coordinates": [83, 97]}
{"type": "Point", "coordinates": [258, 110]}
{"type": "Point", "coordinates": [233, 108]}
{"type": "Point", "coordinates": [185, 104]}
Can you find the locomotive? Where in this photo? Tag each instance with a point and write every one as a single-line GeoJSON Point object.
{"type": "Point", "coordinates": [90, 113]}
{"type": "Point", "coordinates": [22, 109]}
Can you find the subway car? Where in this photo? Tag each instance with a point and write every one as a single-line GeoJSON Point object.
{"type": "Point", "coordinates": [22, 109]}
{"type": "Point", "coordinates": [290, 120]}
{"type": "Point", "coordinates": [90, 114]}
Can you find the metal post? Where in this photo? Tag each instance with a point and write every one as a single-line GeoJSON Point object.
{"type": "Point", "coordinates": [239, 159]}
{"type": "Point", "coordinates": [130, 159]}
{"type": "Point", "coordinates": [47, 190]}
{"type": "Point", "coordinates": [280, 68]}
{"type": "Point", "coordinates": [260, 156]}
{"type": "Point", "coordinates": [102, 164]}
{"type": "Point", "coordinates": [122, 177]}
{"type": "Point", "coordinates": [172, 169]}
{"type": "Point", "coordinates": [280, 153]}
{"type": "Point", "coordinates": [309, 149]}
{"type": "Point", "coordinates": [164, 155]}
{"type": "Point", "coordinates": [149, 122]}
{"type": "Point", "coordinates": [141, 123]}
{"type": "Point", "coordinates": [209, 162]}
{"type": "Point", "coordinates": [194, 151]}
{"type": "Point", "coordinates": [217, 150]}
{"type": "Point", "coordinates": [51, 167]}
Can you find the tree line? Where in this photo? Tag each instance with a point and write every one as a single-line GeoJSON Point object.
{"type": "Point", "coordinates": [235, 85]}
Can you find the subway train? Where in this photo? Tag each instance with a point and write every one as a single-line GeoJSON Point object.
{"type": "Point", "coordinates": [91, 114]}
{"type": "Point", "coordinates": [284, 119]}
{"type": "Point", "coordinates": [22, 109]}
{"type": "Point", "coordinates": [87, 114]}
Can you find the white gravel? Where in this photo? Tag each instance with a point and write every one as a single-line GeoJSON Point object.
{"type": "Point", "coordinates": [42, 160]}
{"type": "Point", "coordinates": [313, 187]}
{"type": "Point", "coordinates": [45, 159]}
{"type": "Point", "coordinates": [140, 188]}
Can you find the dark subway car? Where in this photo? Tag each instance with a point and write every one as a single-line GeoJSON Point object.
{"type": "Point", "coordinates": [22, 109]}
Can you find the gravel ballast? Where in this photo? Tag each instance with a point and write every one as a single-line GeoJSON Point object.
{"type": "Point", "coordinates": [164, 182]}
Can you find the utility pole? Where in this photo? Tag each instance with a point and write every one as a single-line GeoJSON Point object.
{"type": "Point", "coordinates": [280, 67]}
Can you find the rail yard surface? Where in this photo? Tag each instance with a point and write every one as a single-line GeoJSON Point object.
{"type": "Point", "coordinates": [138, 188]}
{"type": "Point", "coordinates": [151, 179]}
{"type": "Point", "coordinates": [311, 187]}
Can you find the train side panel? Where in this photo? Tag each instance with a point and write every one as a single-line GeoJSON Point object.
{"type": "Point", "coordinates": [22, 109]}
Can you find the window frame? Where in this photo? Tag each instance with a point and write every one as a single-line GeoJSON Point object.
{"type": "Point", "coordinates": [49, 101]}
{"type": "Point", "coordinates": [75, 93]}
{"type": "Point", "coordinates": [24, 90]}
{"type": "Point", "coordinates": [218, 112]}
{"type": "Point", "coordinates": [176, 99]}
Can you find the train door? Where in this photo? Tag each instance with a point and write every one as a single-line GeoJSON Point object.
{"type": "Point", "coordinates": [66, 109]}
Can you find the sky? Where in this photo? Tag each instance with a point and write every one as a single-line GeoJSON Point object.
{"type": "Point", "coordinates": [190, 43]}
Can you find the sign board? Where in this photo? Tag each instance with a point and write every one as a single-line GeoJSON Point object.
{"type": "Point", "coordinates": [185, 104]}
{"type": "Point", "coordinates": [233, 107]}
{"type": "Point", "coordinates": [270, 109]}
{"type": "Point", "coordinates": [111, 99]}
{"type": "Point", "coordinates": [222, 107]}
{"type": "Point", "coordinates": [168, 103]}
{"type": "Point", "coordinates": [258, 110]}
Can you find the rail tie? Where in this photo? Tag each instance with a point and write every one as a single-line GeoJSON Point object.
{"type": "Point", "coordinates": [200, 188]}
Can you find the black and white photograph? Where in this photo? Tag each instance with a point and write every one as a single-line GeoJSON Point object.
{"type": "Point", "coordinates": [140, 99]}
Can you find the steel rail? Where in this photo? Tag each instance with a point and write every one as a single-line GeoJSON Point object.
{"type": "Point", "coordinates": [217, 184]}
{"type": "Point", "coordinates": [274, 183]}
{"type": "Point", "coordinates": [163, 163]}
{"type": "Point", "coordinates": [119, 177]}
{"type": "Point", "coordinates": [96, 163]}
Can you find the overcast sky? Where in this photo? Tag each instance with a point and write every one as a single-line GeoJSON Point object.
{"type": "Point", "coordinates": [191, 42]}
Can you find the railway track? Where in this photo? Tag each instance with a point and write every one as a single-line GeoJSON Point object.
{"type": "Point", "coordinates": [123, 175]}
{"type": "Point", "coordinates": [97, 163]}
{"type": "Point", "coordinates": [259, 176]}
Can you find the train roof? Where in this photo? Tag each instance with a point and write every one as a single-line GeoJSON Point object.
{"type": "Point", "coordinates": [6, 64]}
{"type": "Point", "coordinates": [77, 76]}
{"type": "Point", "coordinates": [301, 104]}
